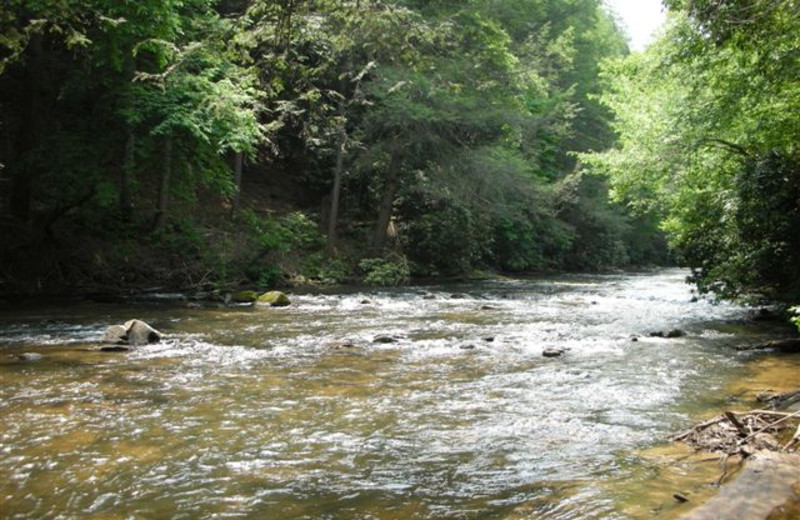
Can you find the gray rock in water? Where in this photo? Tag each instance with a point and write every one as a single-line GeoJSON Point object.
{"type": "Point", "coordinates": [29, 356]}
{"type": "Point", "coordinates": [116, 334]}
{"type": "Point", "coordinates": [467, 347]}
{"type": "Point", "coordinates": [384, 339]}
{"type": "Point", "coordinates": [675, 333]}
{"type": "Point", "coordinates": [134, 332]}
{"type": "Point", "coordinates": [140, 333]}
{"type": "Point", "coordinates": [552, 352]}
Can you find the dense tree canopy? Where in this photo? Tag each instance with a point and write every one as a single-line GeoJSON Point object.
{"type": "Point", "coordinates": [439, 133]}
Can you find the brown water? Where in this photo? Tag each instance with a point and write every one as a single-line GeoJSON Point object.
{"type": "Point", "coordinates": [262, 413]}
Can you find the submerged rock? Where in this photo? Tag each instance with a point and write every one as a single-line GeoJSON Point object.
{"type": "Point", "coordinates": [274, 299]}
{"type": "Point", "coordinates": [674, 333]}
{"type": "Point", "coordinates": [114, 348]}
{"type": "Point", "coordinates": [467, 347]}
{"type": "Point", "coordinates": [29, 356]}
{"type": "Point", "coordinates": [384, 339]}
{"type": "Point", "coordinates": [552, 352]}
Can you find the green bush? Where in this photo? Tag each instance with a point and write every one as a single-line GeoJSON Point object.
{"type": "Point", "coordinates": [383, 272]}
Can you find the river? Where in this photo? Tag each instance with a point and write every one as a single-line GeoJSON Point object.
{"type": "Point", "coordinates": [296, 413]}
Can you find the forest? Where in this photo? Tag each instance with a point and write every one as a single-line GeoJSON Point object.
{"type": "Point", "coordinates": [202, 143]}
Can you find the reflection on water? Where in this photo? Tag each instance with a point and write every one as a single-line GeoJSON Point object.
{"type": "Point", "coordinates": [296, 413]}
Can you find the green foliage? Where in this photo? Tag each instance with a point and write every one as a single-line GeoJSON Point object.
{"type": "Point", "coordinates": [442, 236]}
{"type": "Point", "coordinates": [708, 140]}
{"type": "Point", "coordinates": [385, 272]}
{"type": "Point", "coordinates": [454, 120]}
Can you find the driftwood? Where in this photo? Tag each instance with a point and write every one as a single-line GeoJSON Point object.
{"type": "Point", "coordinates": [782, 345]}
{"type": "Point", "coordinates": [779, 400]}
{"type": "Point", "coordinates": [740, 433]}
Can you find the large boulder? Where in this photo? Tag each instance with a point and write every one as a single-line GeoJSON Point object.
{"type": "Point", "coordinates": [134, 332]}
{"type": "Point", "coordinates": [140, 333]}
{"type": "Point", "coordinates": [116, 334]}
{"type": "Point", "coordinates": [274, 299]}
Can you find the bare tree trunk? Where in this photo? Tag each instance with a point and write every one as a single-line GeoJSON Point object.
{"type": "Point", "coordinates": [238, 160]}
{"type": "Point", "coordinates": [387, 204]}
{"type": "Point", "coordinates": [333, 218]}
{"type": "Point", "coordinates": [163, 190]}
{"type": "Point", "coordinates": [126, 175]}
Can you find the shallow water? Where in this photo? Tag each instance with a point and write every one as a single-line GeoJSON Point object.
{"type": "Point", "coordinates": [296, 413]}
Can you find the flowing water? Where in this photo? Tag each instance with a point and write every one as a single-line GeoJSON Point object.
{"type": "Point", "coordinates": [297, 413]}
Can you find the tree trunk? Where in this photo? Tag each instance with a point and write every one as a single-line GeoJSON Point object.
{"type": "Point", "coordinates": [126, 175]}
{"type": "Point", "coordinates": [238, 160]}
{"type": "Point", "coordinates": [163, 190]}
{"type": "Point", "coordinates": [387, 204]}
{"type": "Point", "coordinates": [333, 218]}
{"type": "Point", "coordinates": [24, 178]}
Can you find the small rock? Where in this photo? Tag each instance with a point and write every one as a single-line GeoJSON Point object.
{"type": "Point", "coordinates": [694, 299]}
{"type": "Point", "coordinates": [274, 299]}
{"type": "Point", "coordinates": [594, 302]}
{"type": "Point", "coordinates": [467, 347]}
{"type": "Point", "coordinates": [384, 339]}
{"type": "Point", "coordinates": [656, 334]}
{"type": "Point", "coordinates": [634, 338]}
{"type": "Point", "coordinates": [429, 297]}
{"type": "Point", "coordinates": [29, 356]}
{"type": "Point", "coordinates": [680, 498]}
{"type": "Point", "coordinates": [365, 302]}
{"type": "Point", "coordinates": [675, 333]}
{"type": "Point", "coordinates": [488, 339]}
{"type": "Point", "coordinates": [344, 344]}
{"type": "Point", "coordinates": [552, 352]}
{"type": "Point", "coordinates": [488, 308]}
{"type": "Point", "coordinates": [458, 296]}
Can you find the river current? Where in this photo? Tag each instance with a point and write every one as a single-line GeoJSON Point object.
{"type": "Point", "coordinates": [297, 413]}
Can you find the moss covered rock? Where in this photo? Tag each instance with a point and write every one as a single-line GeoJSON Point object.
{"type": "Point", "coordinates": [274, 299]}
{"type": "Point", "coordinates": [245, 297]}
